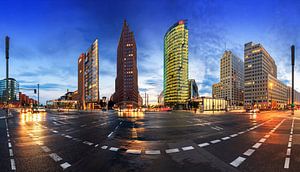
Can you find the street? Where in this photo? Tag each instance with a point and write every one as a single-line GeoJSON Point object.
{"type": "Point", "coordinates": [151, 141]}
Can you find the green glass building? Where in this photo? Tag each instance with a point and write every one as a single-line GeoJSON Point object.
{"type": "Point", "coordinates": [176, 84]}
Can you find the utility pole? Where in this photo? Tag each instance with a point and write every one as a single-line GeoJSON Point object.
{"type": "Point", "coordinates": [38, 92]}
{"type": "Point", "coordinates": [293, 66]}
{"type": "Point", "coordinates": [7, 58]}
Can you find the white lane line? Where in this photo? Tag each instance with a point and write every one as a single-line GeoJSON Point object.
{"type": "Point", "coordinates": [249, 152]}
{"type": "Point", "coordinates": [110, 134]}
{"type": "Point", "coordinates": [257, 145]}
{"type": "Point", "coordinates": [237, 161]}
{"type": "Point", "coordinates": [9, 144]}
{"type": "Point", "coordinates": [96, 145]}
{"type": "Point", "coordinates": [242, 132]}
{"type": "Point", "coordinates": [290, 139]}
{"type": "Point", "coordinates": [65, 165]}
{"type": "Point", "coordinates": [55, 157]}
{"type": "Point", "coordinates": [68, 136]}
{"type": "Point", "coordinates": [54, 131]}
{"type": "Point", "coordinates": [225, 138]}
{"type": "Point", "coordinates": [45, 149]}
{"type": "Point", "coordinates": [290, 144]}
{"type": "Point", "coordinates": [83, 125]}
{"type": "Point", "coordinates": [203, 145]}
{"type": "Point", "coordinates": [104, 147]}
{"type": "Point", "coordinates": [267, 136]}
{"type": "Point", "coordinates": [114, 149]}
{"type": "Point", "coordinates": [11, 153]}
{"type": "Point", "coordinates": [133, 151]}
{"type": "Point", "coordinates": [172, 150]}
{"type": "Point", "coordinates": [262, 140]}
{"type": "Point", "coordinates": [152, 152]}
{"type": "Point", "coordinates": [215, 141]}
{"type": "Point", "coordinates": [233, 135]}
{"type": "Point", "coordinates": [12, 164]}
{"type": "Point", "coordinates": [288, 152]}
{"type": "Point", "coordinates": [88, 143]}
{"type": "Point", "coordinates": [187, 148]}
{"type": "Point", "coordinates": [287, 163]}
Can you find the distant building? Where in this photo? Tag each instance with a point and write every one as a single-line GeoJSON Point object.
{"type": "Point", "coordinates": [126, 84]}
{"type": "Point", "coordinates": [67, 101]}
{"type": "Point", "coordinates": [231, 85]}
{"type": "Point", "coordinates": [262, 88]}
{"type": "Point", "coordinates": [88, 77]}
{"type": "Point", "coordinates": [25, 101]}
{"type": "Point", "coordinates": [13, 91]}
{"type": "Point", "coordinates": [296, 97]}
{"type": "Point", "coordinates": [160, 99]}
{"type": "Point", "coordinates": [193, 89]}
{"type": "Point", "coordinates": [176, 84]}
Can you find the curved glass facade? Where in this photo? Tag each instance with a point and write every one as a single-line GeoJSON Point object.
{"type": "Point", "coordinates": [13, 90]}
{"type": "Point", "coordinates": [176, 84]}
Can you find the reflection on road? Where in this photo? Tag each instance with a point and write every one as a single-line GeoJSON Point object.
{"type": "Point", "coordinates": [129, 114]}
{"type": "Point", "coordinates": [32, 117]}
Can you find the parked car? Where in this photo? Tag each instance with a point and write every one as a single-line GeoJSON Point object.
{"type": "Point", "coordinates": [38, 110]}
{"type": "Point", "coordinates": [255, 111]}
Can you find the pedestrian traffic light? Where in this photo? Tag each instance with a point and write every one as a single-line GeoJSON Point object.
{"type": "Point", "coordinates": [34, 91]}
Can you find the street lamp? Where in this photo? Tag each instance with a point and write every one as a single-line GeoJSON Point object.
{"type": "Point", "coordinates": [271, 89]}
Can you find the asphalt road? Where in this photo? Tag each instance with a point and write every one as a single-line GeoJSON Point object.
{"type": "Point", "coordinates": [164, 141]}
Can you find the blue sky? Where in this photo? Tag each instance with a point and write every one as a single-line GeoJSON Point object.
{"type": "Point", "coordinates": [48, 36]}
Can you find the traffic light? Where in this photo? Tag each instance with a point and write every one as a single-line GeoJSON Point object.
{"type": "Point", "coordinates": [34, 91]}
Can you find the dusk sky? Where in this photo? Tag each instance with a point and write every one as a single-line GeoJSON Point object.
{"type": "Point", "coordinates": [48, 37]}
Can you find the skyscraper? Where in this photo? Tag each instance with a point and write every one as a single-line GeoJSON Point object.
{"type": "Point", "coordinates": [88, 77]}
{"type": "Point", "coordinates": [13, 90]}
{"type": "Point", "coordinates": [126, 84]}
{"type": "Point", "coordinates": [231, 86]}
{"type": "Point", "coordinates": [262, 88]}
{"type": "Point", "coordinates": [176, 84]}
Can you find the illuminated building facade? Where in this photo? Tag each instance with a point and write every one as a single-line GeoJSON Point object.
{"type": "Point", "coordinates": [13, 90]}
{"type": "Point", "coordinates": [176, 84]}
{"type": "Point", "coordinates": [126, 84]}
{"type": "Point", "coordinates": [88, 77]}
{"type": "Point", "coordinates": [262, 88]}
{"type": "Point", "coordinates": [231, 86]}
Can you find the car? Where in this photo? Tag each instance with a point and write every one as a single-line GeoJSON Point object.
{"type": "Point", "coordinates": [255, 110]}
{"type": "Point", "coordinates": [38, 110]}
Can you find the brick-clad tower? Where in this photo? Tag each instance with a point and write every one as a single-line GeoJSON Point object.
{"type": "Point", "coordinates": [126, 83]}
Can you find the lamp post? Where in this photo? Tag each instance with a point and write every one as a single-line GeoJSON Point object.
{"type": "Point", "coordinates": [7, 70]}
{"type": "Point", "coordinates": [271, 89]}
{"type": "Point", "coordinates": [293, 66]}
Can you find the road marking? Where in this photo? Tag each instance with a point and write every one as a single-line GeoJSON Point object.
{"type": "Point", "coordinates": [11, 152]}
{"type": "Point", "coordinates": [96, 145]}
{"type": "Point", "coordinates": [110, 134]}
{"type": "Point", "coordinates": [203, 145]}
{"type": "Point", "coordinates": [12, 164]}
{"type": "Point", "coordinates": [9, 144]}
{"type": "Point", "coordinates": [83, 125]}
{"type": "Point", "coordinates": [133, 151]}
{"type": "Point", "coordinates": [172, 150]}
{"type": "Point", "coordinates": [152, 152]}
{"type": "Point", "coordinates": [225, 138]}
{"type": "Point", "coordinates": [45, 149]}
{"type": "Point", "coordinates": [267, 136]}
{"type": "Point", "coordinates": [215, 141]}
{"type": "Point", "coordinates": [262, 140]}
{"type": "Point", "coordinates": [68, 136]}
{"type": "Point", "coordinates": [288, 152]}
{"type": "Point", "coordinates": [114, 149]}
{"type": "Point", "coordinates": [55, 123]}
{"type": "Point", "coordinates": [257, 145]}
{"type": "Point", "coordinates": [187, 148]}
{"type": "Point", "coordinates": [237, 161]}
{"type": "Point", "coordinates": [233, 135]}
{"type": "Point", "coordinates": [290, 144]}
{"type": "Point", "coordinates": [55, 157]}
{"type": "Point", "coordinates": [104, 147]}
{"type": "Point", "coordinates": [54, 131]}
{"type": "Point", "coordinates": [65, 165]}
{"type": "Point", "coordinates": [287, 163]}
{"type": "Point", "coordinates": [88, 143]}
{"type": "Point", "coordinates": [242, 132]}
{"type": "Point", "coordinates": [249, 152]}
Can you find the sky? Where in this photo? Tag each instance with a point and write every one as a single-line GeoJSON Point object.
{"type": "Point", "coordinates": [47, 38]}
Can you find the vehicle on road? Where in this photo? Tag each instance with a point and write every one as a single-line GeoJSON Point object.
{"type": "Point", "coordinates": [38, 109]}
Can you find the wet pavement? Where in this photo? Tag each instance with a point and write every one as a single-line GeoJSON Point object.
{"type": "Point", "coordinates": [154, 141]}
